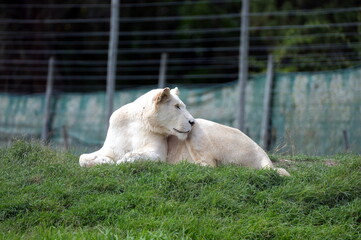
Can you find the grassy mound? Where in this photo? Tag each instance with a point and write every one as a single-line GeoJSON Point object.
{"type": "Point", "coordinates": [44, 194]}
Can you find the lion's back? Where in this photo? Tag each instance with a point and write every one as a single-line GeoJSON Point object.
{"type": "Point", "coordinates": [229, 145]}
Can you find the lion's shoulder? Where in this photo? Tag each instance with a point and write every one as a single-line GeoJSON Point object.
{"type": "Point", "coordinates": [124, 114]}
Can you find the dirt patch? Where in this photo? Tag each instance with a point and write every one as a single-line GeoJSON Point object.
{"type": "Point", "coordinates": [287, 162]}
{"type": "Point", "coordinates": [284, 162]}
{"type": "Point", "coordinates": [331, 163]}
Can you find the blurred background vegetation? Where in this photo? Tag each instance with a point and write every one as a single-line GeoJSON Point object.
{"type": "Point", "coordinates": [295, 48]}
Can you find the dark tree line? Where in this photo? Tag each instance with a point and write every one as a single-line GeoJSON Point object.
{"type": "Point", "coordinates": [295, 49]}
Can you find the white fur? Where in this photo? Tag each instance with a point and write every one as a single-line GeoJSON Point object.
{"type": "Point", "coordinates": [157, 126]}
{"type": "Point", "coordinates": [139, 130]}
{"type": "Point", "coordinates": [213, 144]}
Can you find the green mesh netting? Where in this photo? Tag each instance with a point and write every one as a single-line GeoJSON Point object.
{"type": "Point", "coordinates": [310, 111]}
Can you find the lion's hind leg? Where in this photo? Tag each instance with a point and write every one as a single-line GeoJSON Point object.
{"type": "Point", "coordinates": [92, 159]}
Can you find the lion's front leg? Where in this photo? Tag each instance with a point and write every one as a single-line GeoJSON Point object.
{"type": "Point", "coordinates": [140, 156]}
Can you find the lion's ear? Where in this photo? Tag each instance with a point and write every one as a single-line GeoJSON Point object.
{"type": "Point", "coordinates": [175, 91]}
{"type": "Point", "coordinates": [162, 95]}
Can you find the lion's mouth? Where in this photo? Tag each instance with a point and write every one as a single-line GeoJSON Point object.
{"type": "Point", "coordinates": [181, 131]}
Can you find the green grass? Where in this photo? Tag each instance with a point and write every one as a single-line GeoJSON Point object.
{"type": "Point", "coordinates": [44, 194]}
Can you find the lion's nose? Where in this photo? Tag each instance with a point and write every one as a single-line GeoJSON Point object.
{"type": "Point", "coordinates": [191, 122]}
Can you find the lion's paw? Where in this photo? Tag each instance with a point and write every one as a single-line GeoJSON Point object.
{"type": "Point", "coordinates": [103, 160]}
{"type": "Point", "coordinates": [129, 157]}
{"type": "Point", "coordinates": [89, 160]}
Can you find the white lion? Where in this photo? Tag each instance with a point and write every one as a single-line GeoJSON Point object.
{"type": "Point", "coordinates": [213, 144]}
{"type": "Point", "coordinates": [157, 126]}
{"type": "Point", "coordinates": [139, 130]}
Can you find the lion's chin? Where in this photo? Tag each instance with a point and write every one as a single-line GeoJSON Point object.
{"type": "Point", "coordinates": [182, 136]}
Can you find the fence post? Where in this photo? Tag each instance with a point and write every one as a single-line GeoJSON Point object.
{"type": "Point", "coordinates": [64, 131]}
{"type": "Point", "coordinates": [162, 70]}
{"type": "Point", "coordinates": [267, 101]}
{"type": "Point", "coordinates": [47, 107]}
{"type": "Point", "coordinates": [112, 56]}
{"type": "Point", "coordinates": [345, 140]}
{"type": "Point", "coordinates": [243, 64]}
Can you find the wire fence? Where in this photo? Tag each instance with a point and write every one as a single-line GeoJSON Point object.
{"type": "Point", "coordinates": [143, 39]}
{"type": "Point", "coordinates": [202, 49]}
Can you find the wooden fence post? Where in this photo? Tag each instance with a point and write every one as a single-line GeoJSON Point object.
{"type": "Point", "coordinates": [267, 101]}
{"type": "Point", "coordinates": [112, 56]}
{"type": "Point", "coordinates": [162, 70]}
{"type": "Point", "coordinates": [345, 140]}
{"type": "Point", "coordinates": [47, 107]}
{"type": "Point", "coordinates": [64, 131]}
{"type": "Point", "coordinates": [243, 64]}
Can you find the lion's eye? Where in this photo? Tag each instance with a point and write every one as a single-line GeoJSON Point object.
{"type": "Point", "coordinates": [177, 106]}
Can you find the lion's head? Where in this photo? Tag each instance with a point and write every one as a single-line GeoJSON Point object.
{"type": "Point", "coordinates": [168, 114]}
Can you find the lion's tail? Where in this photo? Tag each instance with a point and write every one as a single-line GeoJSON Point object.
{"type": "Point", "coordinates": [282, 172]}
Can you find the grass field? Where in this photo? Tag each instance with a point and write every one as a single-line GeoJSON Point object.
{"type": "Point", "coordinates": [44, 194]}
